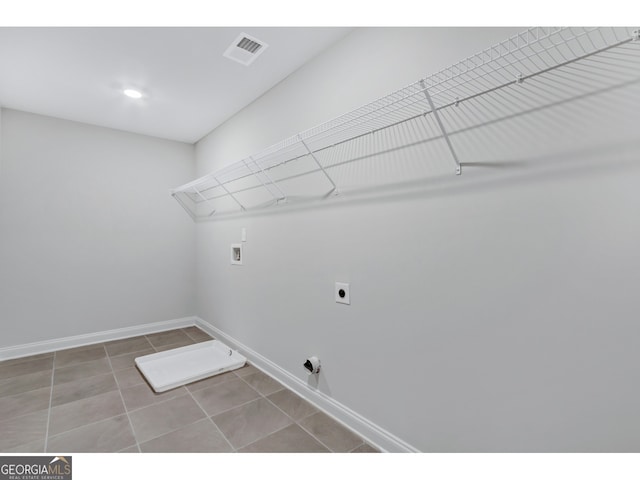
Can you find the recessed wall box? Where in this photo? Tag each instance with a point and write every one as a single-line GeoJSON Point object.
{"type": "Point", "coordinates": [236, 254]}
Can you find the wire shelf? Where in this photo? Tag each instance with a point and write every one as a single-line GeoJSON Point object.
{"type": "Point", "coordinates": [538, 69]}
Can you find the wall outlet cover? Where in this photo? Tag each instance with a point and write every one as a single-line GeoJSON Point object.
{"type": "Point", "coordinates": [342, 293]}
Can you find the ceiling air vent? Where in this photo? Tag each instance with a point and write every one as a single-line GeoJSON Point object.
{"type": "Point", "coordinates": [245, 49]}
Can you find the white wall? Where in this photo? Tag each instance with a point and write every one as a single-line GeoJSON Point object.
{"type": "Point", "coordinates": [90, 239]}
{"type": "Point", "coordinates": [492, 312]}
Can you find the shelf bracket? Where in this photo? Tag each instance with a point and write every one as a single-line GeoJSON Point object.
{"type": "Point", "coordinates": [335, 187]}
{"type": "Point", "coordinates": [229, 193]}
{"type": "Point", "coordinates": [283, 196]}
{"type": "Point", "coordinates": [206, 200]}
{"type": "Point", "coordinates": [441, 125]}
{"type": "Point", "coordinates": [186, 209]}
{"type": "Point", "coordinates": [259, 179]}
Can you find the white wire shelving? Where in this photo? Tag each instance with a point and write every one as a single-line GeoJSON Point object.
{"type": "Point", "coordinates": [556, 65]}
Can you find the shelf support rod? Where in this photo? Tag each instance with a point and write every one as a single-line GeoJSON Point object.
{"type": "Point", "coordinates": [229, 193]}
{"type": "Point", "coordinates": [213, 210]}
{"type": "Point", "coordinates": [335, 187]}
{"type": "Point", "coordinates": [259, 179]}
{"type": "Point", "coordinates": [186, 209]}
{"type": "Point", "coordinates": [441, 125]}
{"type": "Point", "coordinates": [282, 194]}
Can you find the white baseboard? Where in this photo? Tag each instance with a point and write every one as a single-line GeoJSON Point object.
{"type": "Point", "coordinates": [374, 434]}
{"type": "Point", "coordinates": [46, 346]}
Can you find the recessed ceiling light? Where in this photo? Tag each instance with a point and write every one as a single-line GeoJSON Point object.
{"type": "Point", "coordinates": [129, 92]}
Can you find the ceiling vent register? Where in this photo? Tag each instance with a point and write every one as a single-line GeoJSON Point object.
{"type": "Point", "coordinates": [245, 49]}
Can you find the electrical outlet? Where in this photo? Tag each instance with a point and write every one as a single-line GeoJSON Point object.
{"type": "Point", "coordinates": [342, 293]}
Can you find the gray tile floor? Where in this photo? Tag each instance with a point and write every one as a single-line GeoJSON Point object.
{"type": "Point", "coordinates": [93, 399]}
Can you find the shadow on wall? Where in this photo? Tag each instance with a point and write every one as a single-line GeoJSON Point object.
{"type": "Point", "coordinates": [577, 119]}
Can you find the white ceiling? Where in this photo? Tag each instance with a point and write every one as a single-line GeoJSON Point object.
{"type": "Point", "coordinates": [190, 88]}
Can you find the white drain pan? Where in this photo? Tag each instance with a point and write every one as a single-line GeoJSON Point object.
{"type": "Point", "coordinates": [173, 368]}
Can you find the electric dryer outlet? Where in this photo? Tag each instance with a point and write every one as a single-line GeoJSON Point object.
{"type": "Point", "coordinates": [342, 293]}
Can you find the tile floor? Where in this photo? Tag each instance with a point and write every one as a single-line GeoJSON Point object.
{"type": "Point", "coordinates": [93, 399]}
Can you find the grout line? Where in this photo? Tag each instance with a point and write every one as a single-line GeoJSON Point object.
{"type": "Point", "coordinates": [265, 397]}
{"type": "Point", "coordinates": [127, 368]}
{"type": "Point", "coordinates": [242, 405]}
{"type": "Point", "coordinates": [285, 413]}
{"type": "Point", "coordinates": [89, 396]}
{"type": "Point", "coordinates": [173, 346]}
{"type": "Point", "coordinates": [234, 407]}
{"type": "Point", "coordinates": [247, 364]}
{"type": "Point", "coordinates": [84, 361]}
{"type": "Point", "coordinates": [188, 392]}
{"type": "Point", "coordinates": [210, 419]}
{"type": "Point", "coordinates": [31, 371]}
{"type": "Point", "coordinates": [127, 448]}
{"type": "Point", "coordinates": [25, 391]}
{"type": "Point", "coordinates": [152, 345]}
{"type": "Point", "coordinates": [46, 433]}
{"type": "Point", "coordinates": [184, 329]}
{"type": "Point", "coordinates": [210, 386]}
{"type": "Point", "coordinates": [191, 394]}
{"type": "Point", "coordinates": [316, 438]}
{"type": "Point", "coordinates": [174, 343]}
{"type": "Point", "coordinates": [206, 414]}
{"type": "Point", "coordinates": [133, 410]}
{"type": "Point", "coordinates": [128, 353]}
{"type": "Point", "coordinates": [297, 422]}
{"type": "Point", "coordinates": [251, 374]}
{"type": "Point", "coordinates": [267, 435]}
{"type": "Point", "coordinates": [171, 431]}
{"type": "Point", "coordinates": [212, 422]}
{"type": "Point", "coordinates": [187, 334]}
{"type": "Point", "coordinates": [88, 425]}
{"type": "Point", "coordinates": [260, 395]}
{"type": "Point", "coordinates": [80, 363]}
{"type": "Point", "coordinates": [304, 429]}
{"type": "Point", "coordinates": [68, 384]}
{"type": "Point", "coordinates": [126, 411]}
{"type": "Point", "coordinates": [16, 417]}
{"type": "Point", "coordinates": [115, 416]}
{"type": "Point", "coordinates": [125, 339]}
{"type": "Point", "coordinates": [81, 348]}
{"type": "Point", "coordinates": [25, 359]}
{"type": "Point", "coordinates": [142, 380]}
{"type": "Point", "coordinates": [124, 405]}
{"type": "Point", "coordinates": [364, 443]}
